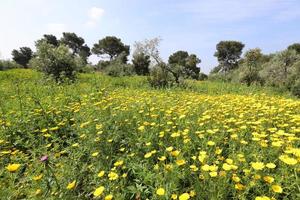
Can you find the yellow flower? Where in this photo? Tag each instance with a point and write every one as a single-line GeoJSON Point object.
{"type": "Point", "coordinates": [118, 163]}
{"type": "Point", "coordinates": [175, 153]}
{"type": "Point", "coordinates": [108, 197]}
{"type": "Point", "coordinates": [13, 167]}
{"type": "Point", "coordinates": [169, 148]}
{"type": "Point", "coordinates": [184, 196]}
{"type": "Point", "coordinates": [262, 198]}
{"type": "Point", "coordinates": [174, 196]}
{"type": "Point", "coordinates": [36, 178]}
{"type": "Point", "coordinates": [38, 191]}
{"type": "Point", "coordinates": [226, 167]}
{"type": "Point", "coordinates": [162, 158]}
{"type": "Point", "coordinates": [268, 179]}
{"type": "Point", "coordinates": [277, 188]}
{"type": "Point", "coordinates": [180, 162]}
{"type": "Point", "coordinates": [101, 173]}
{"type": "Point", "coordinates": [141, 128]}
{"type": "Point", "coordinates": [288, 160]}
{"type": "Point", "coordinates": [192, 193]}
{"type": "Point", "coordinates": [113, 176]}
{"type": "Point", "coordinates": [160, 191]}
{"type": "Point", "coordinates": [239, 186]}
{"type": "Point", "coordinates": [211, 143]}
{"type": "Point", "coordinates": [270, 165]}
{"type": "Point", "coordinates": [213, 174]}
{"type": "Point", "coordinates": [95, 154]}
{"type": "Point", "coordinates": [258, 165]}
{"type": "Point", "coordinates": [71, 185]}
{"type": "Point", "coordinates": [148, 155]}
{"type": "Point", "coordinates": [98, 191]}
{"type": "Point", "coordinates": [205, 167]}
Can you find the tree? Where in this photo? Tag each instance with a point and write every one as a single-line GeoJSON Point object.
{"type": "Point", "coordinates": [72, 41]}
{"type": "Point", "coordinates": [141, 63]}
{"type": "Point", "coordinates": [228, 54]}
{"type": "Point", "coordinates": [76, 44]}
{"type": "Point", "coordinates": [280, 69]}
{"type": "Point", "coordinates": [183, 64]}
{"type": "Point", "coordinates": [85, 52]}
{"type": "Point", "coordinates": [112, 46]}
{"type": "Point", "coordinates": [57, 62]}
{"type": "Point", "coordinates": [253, 58]}
{"type": "Point", "coordinates": [22, 56]}
{"type": "Point", "coordinates": [149, 47]}
{"type": "Point", "coordinates": [250, 67]}
{"type": "Point", "coordinates": [295, 46]}
{"type": "Point", "coordinates": [51, 39]}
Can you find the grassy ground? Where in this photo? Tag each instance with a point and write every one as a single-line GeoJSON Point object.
{"type": "Point", "coordinates": [117, 137]}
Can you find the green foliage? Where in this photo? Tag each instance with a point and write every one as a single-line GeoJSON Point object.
{"type": "Point", "coordinates": [57, 62]}
{"type": "Point", "coordinates": [202, 76]}
{"type": "Point", "coordinates": [111, 46]}
{"type": "Point", "coordinates": [50, 39]}
{"type": "Point", "coordinates": [295, 46]}
{"type": "Point", "coordinates": [122, 119]}
{"type": "Point", "coordinates": [160, 77]}
{"type": "Point", "coordinates": [22, 56]}
{"type": "Point", "coordinates": [228, 54]}
{"type": "Point", "coordinates": [279, 70]}
{"type": "Point", "coordinates": [76, 44]}
{"type": "Point", "coordinates": [181, 64]}
{"type": "Point", "coordinates": [141, 64]}
{"type": "Point", "coordinates": [118, 68]}
{"type": "Point", "coordinates": [7, 64]}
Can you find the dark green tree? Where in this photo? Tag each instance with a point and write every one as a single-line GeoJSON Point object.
{"type": "Point", "coordinates": [295, 46]}
{"type": "Point", "coordinates": [72, 41]}
{"type": "Point", "coordinates": [183, 64]}
{"type": "Point", "coordinates": [141, 63]}
{"type": "Point", "coordinates": [51, 39]}
{"type": "Point", "coordinates": [76, 44]}
{"type": "Point", "coordinates": [111, 46]}
{"type": "Point", "coordinates": [22, 56]}
{"type": "Point", "coordinates": [228, 54]}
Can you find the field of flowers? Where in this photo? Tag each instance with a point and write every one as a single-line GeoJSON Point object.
{"type": "Point", "coordinates": [94, 139]}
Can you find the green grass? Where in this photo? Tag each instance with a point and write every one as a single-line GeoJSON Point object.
{"type": "Point", "coordinates": [178, 139]}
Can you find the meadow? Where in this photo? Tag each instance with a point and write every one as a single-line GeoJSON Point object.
{"type": "Point", "coordinates": [118, 138]}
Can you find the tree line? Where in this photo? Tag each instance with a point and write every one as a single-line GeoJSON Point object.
{"type": "Point", "coordinates": [64, 57]}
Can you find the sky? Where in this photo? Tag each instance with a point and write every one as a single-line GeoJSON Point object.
{"type": "Point", "coordinates": [195, 26]}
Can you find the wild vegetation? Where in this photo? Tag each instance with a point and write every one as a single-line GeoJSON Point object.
{"type": "Point", "coordinates": [149, 129]}
{"type": "Point", "coordinates": [117, 138]}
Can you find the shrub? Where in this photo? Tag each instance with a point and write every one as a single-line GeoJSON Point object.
{"type": "Point", "coordinates": [141, 63]}
{"type": "Point", "coordinates": [7, 64]}
{"type": "Point", "coordinates": [57, 62]}
{"type": "Point", "coordinates": [296, 88]}
{"type": "Point", "coordinates": [160, 77]}
{"type": "Point", "coordinates": [202, 76]}
{"type": "Point", "coordinates": [117, 69]}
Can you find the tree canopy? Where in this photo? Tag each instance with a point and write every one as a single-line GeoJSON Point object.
{"type": "Point", "coordinates": [111, 46]}
{"type": "Point", "coordinates": [228, 54]}
{"type": "Point", "coordinates": [22, 56]}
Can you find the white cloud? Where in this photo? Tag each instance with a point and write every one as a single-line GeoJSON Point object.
{"type": "Point", "coordinates": [56, 28]}
{"type": "Point", "coordinates": [94, 15]}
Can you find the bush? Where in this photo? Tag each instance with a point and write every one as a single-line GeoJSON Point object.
{"type": "Point", "coordinates": [296, 88]}
{"type": "Point", "coordinates": [56, 62]}
{"type": "Point", "coordinates": [117, 69]}
{"type": "Point", "coordinates": [7, 64]}
{"type": "Point", "coordinates": [202, 77]}
{"type": "Point", "coordinates": [160, 77]}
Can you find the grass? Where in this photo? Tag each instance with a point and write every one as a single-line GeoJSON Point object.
{"type": "Point", "coordinates": [105, 137]}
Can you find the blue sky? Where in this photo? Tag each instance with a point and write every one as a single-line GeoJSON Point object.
{"type": "Point", "coordinates": [192, 25]}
